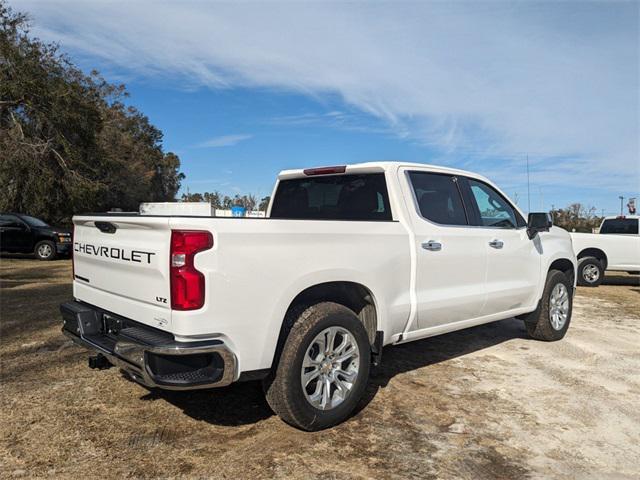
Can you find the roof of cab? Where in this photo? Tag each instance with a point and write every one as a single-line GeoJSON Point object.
{"type": "Point", "coordinates": [370, 167]}
{"type": "Point", "coordinates": [622, 217]}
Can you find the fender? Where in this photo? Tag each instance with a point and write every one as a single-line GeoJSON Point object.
{"type": "Point", "coordinates": [276, 318]}
{"type": "Point", "coordinates": [554, 248]}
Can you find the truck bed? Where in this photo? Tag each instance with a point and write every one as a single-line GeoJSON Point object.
{"type": "Point", "coordinates": [253, 272]}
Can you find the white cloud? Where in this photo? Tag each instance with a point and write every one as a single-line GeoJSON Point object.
{"type": "Point", "coordinates": [223, 141]}
{"type": "Point", "coordinates": [480, 80]}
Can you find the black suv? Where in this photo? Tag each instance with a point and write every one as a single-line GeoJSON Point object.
{"type": "Point", "coordinates": [24, 234]}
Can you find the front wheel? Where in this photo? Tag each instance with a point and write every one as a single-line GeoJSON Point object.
{"type": "Point", "coordinates": [45, 250]}
{"type": "Point", "coordinates": [550, 321]}
{"type": "Point", "coordinates": [323, 370]}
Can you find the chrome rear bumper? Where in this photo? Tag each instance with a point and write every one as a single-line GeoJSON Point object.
{"type": "Point", "coordinates": [151, 357]}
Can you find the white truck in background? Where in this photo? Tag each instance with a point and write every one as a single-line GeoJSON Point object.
{"type": "Point", "coordinates": [616, 247]}
{"type": "Point", "coordinates": [349, 259]}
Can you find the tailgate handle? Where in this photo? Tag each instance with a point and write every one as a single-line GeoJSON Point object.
{"type": "Point", "coordinates": [106, 227]}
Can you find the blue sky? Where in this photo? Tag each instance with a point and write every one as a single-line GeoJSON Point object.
{"type": "Point", "coordinates": [243, 90]}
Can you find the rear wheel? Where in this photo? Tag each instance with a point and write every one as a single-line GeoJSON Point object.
{"type": "Point", "coordinates": [323, 370]}
{"type": "Point", "coordinates": [550, 321]}
{"type": "Point", "coordinates": [590, 272]}
{"type": "Point", "coordinates": [45, 250]}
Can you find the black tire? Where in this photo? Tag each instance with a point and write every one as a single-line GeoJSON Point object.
{"type": "Point", "coordinates": [284, 389]}
{"type": "Point", "coordinates": [590, 272]}
{"type": "Point", "coordinates": [633, 273]}
{"type": "Point", "coordinates": [539, 322]}
{"type": "Point", "coordinates": [45, 250]}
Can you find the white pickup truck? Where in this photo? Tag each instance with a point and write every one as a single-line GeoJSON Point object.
{"type": "Point", "coordinates": [349, 259]}
{"type": "Point", "coordinates": [616, 247]}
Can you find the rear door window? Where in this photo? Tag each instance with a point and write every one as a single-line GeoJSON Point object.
{"type": "Point", "coordinates": [333, 197]}
{"type": "Point", "coordinates": [438, 198]}
{"type": "Point", "coordinates": [10, 221]}
{"type": "Point", "coordinates": [621, 226]}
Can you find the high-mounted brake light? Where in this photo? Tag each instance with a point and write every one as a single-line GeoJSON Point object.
{"type": "Point", "coordinates": [325, 170]}
{"type": "Point", "coordinates": [187, 283]}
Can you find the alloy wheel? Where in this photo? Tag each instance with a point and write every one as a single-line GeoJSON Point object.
{"type": "Point", "coordinates": [330, 368]}
{"type": "Point", "coordinates": [559, 306]}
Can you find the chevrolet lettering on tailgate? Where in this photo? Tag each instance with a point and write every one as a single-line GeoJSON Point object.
{"type": "Point", "coordinates": [116, 253]}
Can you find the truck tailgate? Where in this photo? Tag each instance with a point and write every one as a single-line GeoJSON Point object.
{"type": "Point", "coordinates": [121, 264]}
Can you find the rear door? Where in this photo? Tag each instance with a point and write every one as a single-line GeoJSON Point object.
{"type": "Point", "coordinates": [15, 235]}
{"type": "Point", "coordinates": [451, 255]}
{"type": "Point", "coordinates": [121, 264]}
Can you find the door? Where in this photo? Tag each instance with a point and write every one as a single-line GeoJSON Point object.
{"type": "Point", "coordinates": [451, 256]}
{"type": "Point", "coordinates": [513, 260]}
{"type": "Point", "coordinates": [14, 235]}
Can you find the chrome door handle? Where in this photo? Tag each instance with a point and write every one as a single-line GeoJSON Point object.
{"type": "Point", "coordinates": [432, 245]}
{"type": "Point", "coordinates": [496, 243]}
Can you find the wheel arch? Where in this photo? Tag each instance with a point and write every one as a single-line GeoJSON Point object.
{"type": "Point", "coordinates": [353, 295]}
{"type": "Point", "coordinates": [566, 266]}
{"type": "Point", "coordinates": [594, 252]}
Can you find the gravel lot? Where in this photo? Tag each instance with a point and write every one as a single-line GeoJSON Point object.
{"type": "Point", "coordinates": [481, 403]}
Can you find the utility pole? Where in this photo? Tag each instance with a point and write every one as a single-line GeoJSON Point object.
{"type": "Point", "coordinates": [528, 188]}
{"type": "Point", "coordinates": [621, 200]}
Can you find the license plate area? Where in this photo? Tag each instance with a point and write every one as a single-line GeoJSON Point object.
{"type": "Point", "coordinates": [111, 325]}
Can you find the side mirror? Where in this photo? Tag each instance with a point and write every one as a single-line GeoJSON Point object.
{"type": "Point", "coordinates": [538, 222]}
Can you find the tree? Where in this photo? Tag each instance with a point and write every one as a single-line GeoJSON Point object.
{"type": "Point", "coordinates": [68, 143]}
{"type": "Point", "coordinates": [214, 199]}
{"type": "Point", "coordinates": [249, 202]}
{"type": "Point", "coordinates": [192, 197]}
{"type": "Point", "coordinates": [576, 217]}
{"type": "Point", "coordinates": [264, 204]}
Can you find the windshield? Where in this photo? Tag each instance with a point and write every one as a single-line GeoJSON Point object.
{"type": "Point", "coordinates": [33, 222]}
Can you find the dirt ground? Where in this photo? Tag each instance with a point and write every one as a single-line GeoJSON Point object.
{"type": "Point", "coordinates": [481, 403]}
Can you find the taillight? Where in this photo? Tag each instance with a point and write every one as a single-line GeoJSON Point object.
{"type": "Point", "coordinates": [187, 283]}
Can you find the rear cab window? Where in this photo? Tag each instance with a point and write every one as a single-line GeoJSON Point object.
{"type": "Point", "coordinates": [620, 226]}
{"type": "Point", "coordinates": [333, 197]}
